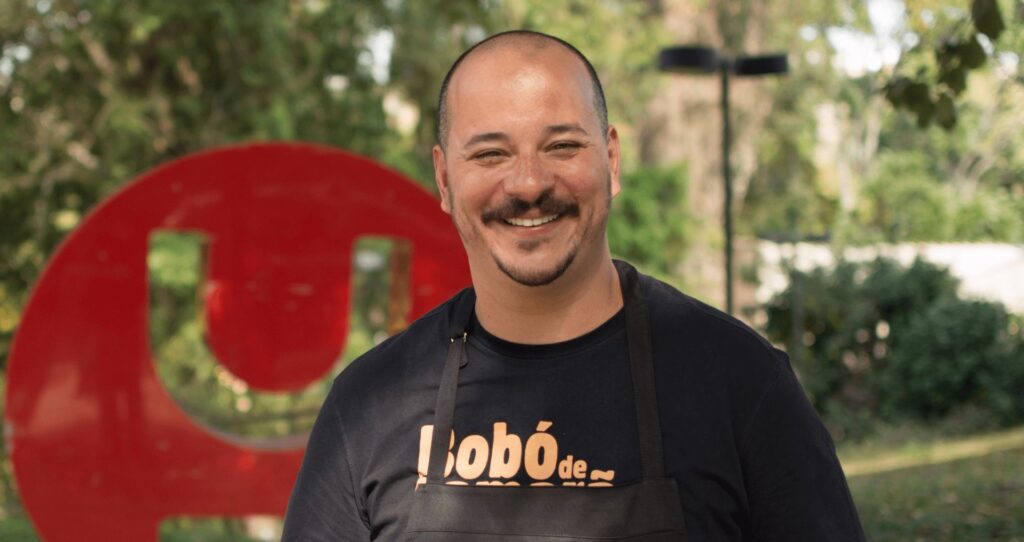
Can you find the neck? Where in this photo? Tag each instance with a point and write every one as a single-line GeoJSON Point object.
{"type": "Point", "coordinates": [583, 298]}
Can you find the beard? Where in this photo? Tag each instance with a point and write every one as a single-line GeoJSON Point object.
{"type": "Point", "coordinates": [536, 277]}
{"type": "Point", "coordinates": [547, 204]}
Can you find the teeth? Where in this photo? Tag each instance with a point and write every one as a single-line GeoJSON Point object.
{"type": "Point", "coordinates": [530, 222]}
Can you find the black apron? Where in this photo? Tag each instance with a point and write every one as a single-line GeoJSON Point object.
{"type": "Point", "coordinates": [648, 510]}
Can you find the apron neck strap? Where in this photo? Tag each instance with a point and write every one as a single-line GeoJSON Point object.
{"type": "Point", "coordinates": [641, 363]}
{"type": "Point", "coordinates": [444, 409]}
{"type": "Point", "coordinates": [638, 338]}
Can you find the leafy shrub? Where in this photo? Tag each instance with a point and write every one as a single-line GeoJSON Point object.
{"type": "Point", "coordinates": [883, 340]}
{"type": "Point", "coordinates": [988, 215]}
{"type": "Point", "coordinates": [948, 354]}
{"type": "Point", "coordinates": [837, 323]}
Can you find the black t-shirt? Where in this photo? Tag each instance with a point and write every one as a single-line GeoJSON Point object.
{"type": "Point", "coordinates": [750, 457]}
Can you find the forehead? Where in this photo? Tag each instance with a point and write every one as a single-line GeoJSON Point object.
{"type": "Point", "coordinates": [517, 83]}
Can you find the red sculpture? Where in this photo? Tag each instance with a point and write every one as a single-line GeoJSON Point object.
{"type": "Point", "coordinates": [101, 451]}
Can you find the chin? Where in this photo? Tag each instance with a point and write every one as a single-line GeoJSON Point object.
{"type": "Point", "coordinates": [528, 275]}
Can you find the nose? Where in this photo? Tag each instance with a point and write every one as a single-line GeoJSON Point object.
{"type": "Point", "coordinates": [530, 180]}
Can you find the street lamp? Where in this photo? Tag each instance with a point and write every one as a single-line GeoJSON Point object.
{"type": "Point", "coordinates": [705, 60]}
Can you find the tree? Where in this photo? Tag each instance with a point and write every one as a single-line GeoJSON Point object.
{"type": "Point", "coordinates": [951, 43]}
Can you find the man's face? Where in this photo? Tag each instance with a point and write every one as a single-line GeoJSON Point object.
{"type": "Point", "coordinates": [528, 175]}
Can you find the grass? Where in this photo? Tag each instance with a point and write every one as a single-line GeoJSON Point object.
{"type": "Point", "coordinates": [17, 529]}
{"type": "Point", "coordinates": [932, 488]}
{"type": "Point", "coordinates": [20, 529]}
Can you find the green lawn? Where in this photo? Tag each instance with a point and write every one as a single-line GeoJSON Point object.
{"type": "Point", "coordinates": [934, 489]}
{"type": "Point", "coordinates": [19, 529]}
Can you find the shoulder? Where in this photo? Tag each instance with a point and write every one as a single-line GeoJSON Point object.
{"type": "Point", "coordinates": [722, 362]}
{"type": "Point", "coordinates": [669, 307]}
{"type": "Point", "coordinates": [702, 337]}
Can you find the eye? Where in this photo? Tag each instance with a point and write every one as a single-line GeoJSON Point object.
{"type": "Point", "coordinates": [565, 147]}
{"type": "Point", "coordinates": [488, 156]}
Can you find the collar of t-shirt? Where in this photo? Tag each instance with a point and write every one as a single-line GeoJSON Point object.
{"type": "Point", "coordinates": [611, 328]}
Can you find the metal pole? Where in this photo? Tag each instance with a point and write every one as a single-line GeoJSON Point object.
{"type": "Point", "coordinates": [727, 177]}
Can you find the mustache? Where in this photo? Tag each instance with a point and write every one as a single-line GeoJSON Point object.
{"type": "Point", "coordinates": [514, 207]}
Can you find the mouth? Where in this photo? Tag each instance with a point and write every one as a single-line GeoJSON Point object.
{"type": "Point", "coordinates": [531, 222]}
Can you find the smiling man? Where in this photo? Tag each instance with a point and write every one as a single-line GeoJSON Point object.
{"type": "Point", "coordinates": [564, 396]}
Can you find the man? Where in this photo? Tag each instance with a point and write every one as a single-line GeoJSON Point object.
{"type": "Point", "coordinates": [573, 399]}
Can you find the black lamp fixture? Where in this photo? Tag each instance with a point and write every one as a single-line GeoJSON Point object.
{"type": "Point", "coordinates": [701, 60]}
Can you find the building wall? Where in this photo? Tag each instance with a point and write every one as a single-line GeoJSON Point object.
{"type": "Point", "coordinates": [990, 271]}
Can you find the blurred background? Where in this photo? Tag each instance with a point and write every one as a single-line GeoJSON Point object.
{"type": "Point", "coordinates": [878, 196]}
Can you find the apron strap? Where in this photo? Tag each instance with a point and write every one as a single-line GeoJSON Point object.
{"type": "Point", "coordinates": [641, 361]}
{"type": "Point", "coordinates": [444, 409]}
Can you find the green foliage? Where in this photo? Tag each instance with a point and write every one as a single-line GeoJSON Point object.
{"type": "Point", "coordinates": [206, 529]}
{"type": "Point", "coordinates": [17, 529]}
{"type": "Point", "coordinates": [836, 323]}
{"type": "Point", "coordinates": [953, 352]}
{"type": "Point", "coordinates": [902, 201]}
{"type": "Point", "coordinates": [649, 223]}
{"type": "Point", "coordinates": [834, 163]}
{"type": "Point", "coordinates": [929, 87]}
{"type": "Point", "coordinates": [175, 260]}
{"type": "Point", "coordinates": [989, 216]}
{"type": "Point", "coordinates": [883, 340]}
{"type": "Point", "coordinates": [786, 198]}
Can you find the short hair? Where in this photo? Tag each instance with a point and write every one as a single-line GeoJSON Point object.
{"type": "Point", "coordinates": [536, 38]}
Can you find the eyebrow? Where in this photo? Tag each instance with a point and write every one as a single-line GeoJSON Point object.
{"type": "Point", "coordinates": [554, 129]}
{"type": "Point", "coordinates": [485, 137]}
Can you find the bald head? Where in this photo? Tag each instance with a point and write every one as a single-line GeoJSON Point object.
{"type": "Point", "coordinates": [527, 43]}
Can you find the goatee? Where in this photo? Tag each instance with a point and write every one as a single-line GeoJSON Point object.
{"type": "Point", "coordinates": [536, 277]}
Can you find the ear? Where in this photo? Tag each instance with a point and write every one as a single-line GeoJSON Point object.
{"type": "Point", "coordinates": [441, 178]}
{"type": "Point", "coordinates": [614, 158]}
